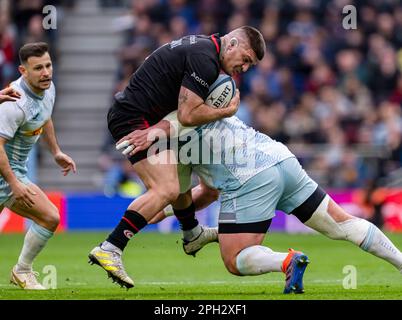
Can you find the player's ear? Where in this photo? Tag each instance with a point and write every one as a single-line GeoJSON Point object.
{"type": "Point", "coordinates": [234, 42]}
{"type": "Point", "coordinates": [22, 69]}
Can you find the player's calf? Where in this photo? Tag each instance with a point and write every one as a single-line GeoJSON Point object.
{"type": "Point", "coordinates": [51, 221]}
{"type": "Point", "coordinates": [332, 221]}
{"type": "Point", "coordinates": [257, 259]}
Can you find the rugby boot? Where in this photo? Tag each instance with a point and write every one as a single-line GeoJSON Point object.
{"type": "Point", "coordinates": [112, 263]}
{"type": "Point", "coordinates": [294, 266]}
{"type": "Point", "coordinates": [25, 280]}
{"type": "Point", "coordinates": [206, 236]}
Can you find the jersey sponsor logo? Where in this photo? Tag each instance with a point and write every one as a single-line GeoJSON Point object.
{"type": "Point", "coordinates": [176, 43]}
{"type": "Point", "coordinates": [199, 80]}
{"type": "Point", "coordinates": [32, 133]}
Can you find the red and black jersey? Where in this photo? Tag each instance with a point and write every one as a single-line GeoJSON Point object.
{"type": "Point", "coordinates": [153, 90]}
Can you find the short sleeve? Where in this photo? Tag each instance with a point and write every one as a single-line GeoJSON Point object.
{"type": "Point", "coordinates": [11, 118]}
{"type": "Point", "coordinates": [201, 71]}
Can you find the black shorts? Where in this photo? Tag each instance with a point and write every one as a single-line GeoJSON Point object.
{"type": "Point", "coordinates": [121, 124]}
{"type": "Point", "coordinates": [253, 227]}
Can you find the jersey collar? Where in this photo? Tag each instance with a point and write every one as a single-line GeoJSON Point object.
{"type": "Point", "coordinates": [217, 41]}
{"type": "Point", "coordinates": [29, 91]}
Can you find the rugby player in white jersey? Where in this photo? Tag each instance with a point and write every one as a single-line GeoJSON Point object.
{"type": "Point", "coordinates": [22, 121]}
{"type": "Point", "coordinates": [255, 175]}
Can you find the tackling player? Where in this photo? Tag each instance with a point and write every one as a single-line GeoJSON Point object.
{"type": "Point", "coordinates": [267, 178]}
{"type": "Point", "coordinates": [174, 77]}
{"type": "Point", "coordinates": [22, 121]}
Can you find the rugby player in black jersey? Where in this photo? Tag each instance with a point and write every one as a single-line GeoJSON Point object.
{"type": "Point", "coordinates": [176, 76]}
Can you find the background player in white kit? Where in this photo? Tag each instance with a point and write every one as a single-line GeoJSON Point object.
{"type": "Point", "coordinates": [21, 123]}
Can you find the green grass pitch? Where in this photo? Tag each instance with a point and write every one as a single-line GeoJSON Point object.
{"type": "Point", "coordinates": [161, 270]}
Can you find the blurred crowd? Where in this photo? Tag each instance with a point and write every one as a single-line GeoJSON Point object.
{"type": "Point", "coordinates": [20, 23]}
{"type": "Point", "coordinates": [333, 95]}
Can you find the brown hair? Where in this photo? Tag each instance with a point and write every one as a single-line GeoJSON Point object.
{"type": "Point", "coordinates": [257, 42]}
{"type": "Point", "coordinates": [36, 49]}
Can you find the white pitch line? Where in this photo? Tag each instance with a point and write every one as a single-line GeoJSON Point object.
{"type": "Point", "coordinates": [173, 283]}
{"type": "Point", "coordinates": [167, 283]}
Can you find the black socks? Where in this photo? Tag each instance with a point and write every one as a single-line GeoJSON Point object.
{"type": "Point", "coordinates": [131, 223]}
{"type": "Point", "coordinates": [186, 217]}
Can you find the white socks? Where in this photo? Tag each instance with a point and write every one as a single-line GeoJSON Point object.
{"type": "Point", "coordinates": [358, 231]}
{"type": "Point", "coordinates": [35, 240]}
{"type": "Point", "coordinates": [189, 235]}
{"type": "Point", "coordinates": [257, 260]}
{"type": "Point", "coordinates": [107, 246]}
{"type": "Point", "coordinates": [375, 242]}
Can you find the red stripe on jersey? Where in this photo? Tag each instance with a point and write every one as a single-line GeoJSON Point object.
{"type": "Point", "coordinates": [146, 123]}
{"type": "Point", "coordinates": [216, 44]}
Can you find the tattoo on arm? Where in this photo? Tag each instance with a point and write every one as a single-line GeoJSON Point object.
{"type": "Point", "coordinates": [183, 96]}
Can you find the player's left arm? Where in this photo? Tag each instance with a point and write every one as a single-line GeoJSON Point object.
{"type": "Point", "coordinates": [200, 73]}
{"type": "Point", "coordinates": [63, 160]}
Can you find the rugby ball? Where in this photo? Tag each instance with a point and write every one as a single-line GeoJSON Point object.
{"type": "Point", "coordinates": [221, 92]}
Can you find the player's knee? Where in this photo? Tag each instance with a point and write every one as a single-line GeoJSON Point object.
{"type": "Point", "coordinates": [211, 194]}
{"type": "Point", "coordinates": [230, 264]}
{"type": "Point", "coordinates": [323, 222]}
{"type": "Point", "coordinates": [170, 192]}
{"type": "Point", "coordinates": [51, 218]}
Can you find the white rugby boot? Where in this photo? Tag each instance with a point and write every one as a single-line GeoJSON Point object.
{"type": "Point", "coordinates": [111, 262]}
{"type": "Point", "coordinates": [206, 236]}
{"type": "Point", "coordinates": [25, 280]}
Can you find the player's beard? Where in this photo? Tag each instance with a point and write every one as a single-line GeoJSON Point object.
{"type": "Point", "coordinates": [45, 84]}
{"type": "Point", "coordinates": [41, 85]}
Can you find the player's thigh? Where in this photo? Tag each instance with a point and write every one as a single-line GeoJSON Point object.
{"type": "Point", "coordinates": [302, 195]}
{"type": "Point", "coordinates": [43, 210]}
{"type": "Point", "coordinates": [298, 185]}
{"type": "Point", "coordinates": [231, 244]}
{"type": "Point", "coordinates": [254, 203]}
{"type": "Point", "coordinates": [159, 174]}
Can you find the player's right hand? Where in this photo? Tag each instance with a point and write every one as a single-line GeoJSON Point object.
{"type": "Point", "coordinates": [233, 106]}
{"type": "Point", "coordinates": [9, 94]}
{"type": "Point", "coordinates": [23, 194]}
{"type": "Point", "coordinates": [135, 141]}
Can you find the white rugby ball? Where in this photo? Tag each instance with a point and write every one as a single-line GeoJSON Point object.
{"type": "Point", "coordinates": [221, 92]}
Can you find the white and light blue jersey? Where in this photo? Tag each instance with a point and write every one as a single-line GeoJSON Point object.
{"type": "Point", "coordinates": [237, 153]}
{"type": "Point", "coordinates": [22, 121]}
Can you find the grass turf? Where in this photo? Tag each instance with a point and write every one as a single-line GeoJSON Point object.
{"type": "Point", "coordinates": [161, 270]}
